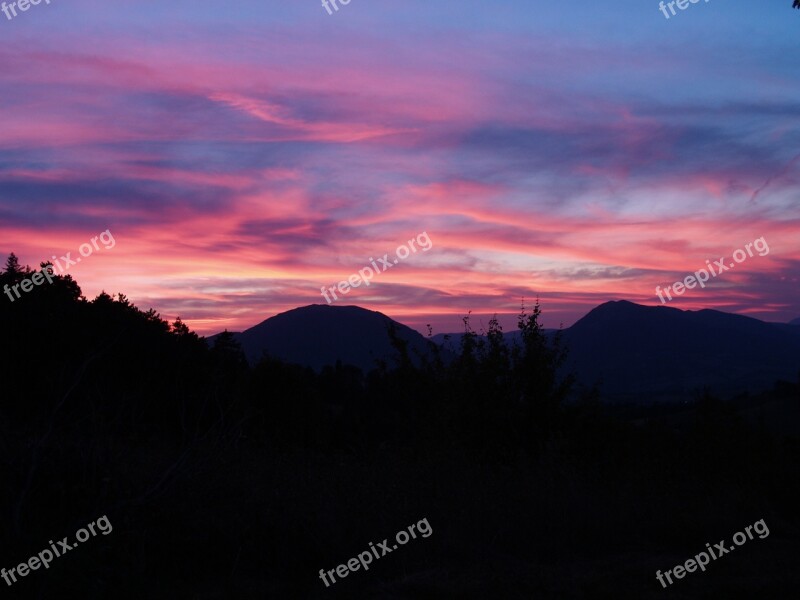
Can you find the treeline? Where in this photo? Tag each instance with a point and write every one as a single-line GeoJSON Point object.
{"type": "Point", "coordinates": [229, 480]}
{"type": "Point", "coordinates": [133, 372]}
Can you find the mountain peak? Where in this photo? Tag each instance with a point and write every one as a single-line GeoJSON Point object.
{"type": "Point", "coordinates": [319, 334]}
{"type": "Point", "coordinates": [661, 351]}
{"type": "Point", "coordinates": [619, 313]}
{"type": "Point", "coordinates": [324, 310]}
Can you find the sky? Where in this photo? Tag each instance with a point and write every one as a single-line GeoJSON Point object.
{"type": "Point", "coordinates": [244, 155]}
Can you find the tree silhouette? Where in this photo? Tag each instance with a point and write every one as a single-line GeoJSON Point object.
{"type": "Point", "coordinates": [12, 265]}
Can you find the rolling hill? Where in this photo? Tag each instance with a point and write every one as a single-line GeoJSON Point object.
{"type": "Point", "coordinates": [320, 335]}
{"type": "Point", "coordinates": [660, 352]}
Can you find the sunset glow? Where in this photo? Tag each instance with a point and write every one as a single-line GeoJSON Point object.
{"type": "Point", "coordinates": [241, 168]}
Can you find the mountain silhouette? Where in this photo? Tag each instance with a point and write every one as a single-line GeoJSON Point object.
{"type": "Point", "coordinates": [629, 351]}
{"type": "Point", "coordinates": [795, 322]}
{"type": "Point", "coordinates": [643, 352]}
{"type": "Point", "coordinates": [320, 335]}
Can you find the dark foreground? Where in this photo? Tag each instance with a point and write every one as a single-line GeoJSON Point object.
{"type": "Point", "coordinates": [225, 481]}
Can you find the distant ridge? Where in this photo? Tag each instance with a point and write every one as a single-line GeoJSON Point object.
{"type": "Point", "coordinates": [320, 335]}
{"type": "Point", "coordinates": [633, 352]}
{"type": "Point", "coordinates": [660, 352]}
